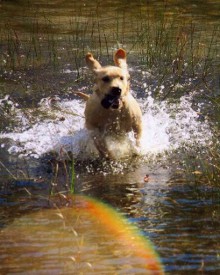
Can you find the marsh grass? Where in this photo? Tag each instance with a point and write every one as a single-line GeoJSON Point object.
{"type": "Point", "coordinates": [160, 41]}
{"type": "Point", "coordinates": [175, 52]}
{"type": "Point", "coordinates": [72, 178]}
{"type": "Point", "coordinates": [172, 51]}
{"type": "Point", "coordinates": [63, 172]}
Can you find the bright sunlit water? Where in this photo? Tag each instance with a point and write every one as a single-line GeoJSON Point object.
{"type": "Point", "coordinates": [165, 127]}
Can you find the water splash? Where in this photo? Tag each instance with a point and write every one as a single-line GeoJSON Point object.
{"type": "Point", "coordinates": [59, 127]}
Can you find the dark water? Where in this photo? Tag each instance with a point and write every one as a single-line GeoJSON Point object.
{"type": "Point", "coordinates": [173, 51]}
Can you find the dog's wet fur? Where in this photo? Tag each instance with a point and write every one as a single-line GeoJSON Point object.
{"type": "Point", "coordinates": [111, 109]}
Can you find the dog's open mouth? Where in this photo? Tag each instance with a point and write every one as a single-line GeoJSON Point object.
{"type": "Point", "coordinates": [111, 101]}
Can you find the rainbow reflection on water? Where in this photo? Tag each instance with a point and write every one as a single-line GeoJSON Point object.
{"type": "Point", "coordinates": [85, 236]}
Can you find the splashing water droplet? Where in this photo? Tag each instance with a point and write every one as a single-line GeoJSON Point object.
{"type": "Point", "coordinates": [165, 127]}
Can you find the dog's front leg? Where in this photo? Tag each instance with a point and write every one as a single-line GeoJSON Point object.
{"type": "Point", "coordinates": [138, 138]}
{"type": "Point", "coordinates": [101, 145]}
{"type": "Point", "coordinates": [137, 128]}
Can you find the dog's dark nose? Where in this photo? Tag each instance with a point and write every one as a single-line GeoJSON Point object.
{"type": "Point", "coordinates": [116, 91]}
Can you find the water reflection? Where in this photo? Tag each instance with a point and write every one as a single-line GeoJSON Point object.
{"type": "Point", "coordinates": [191, 226]}
{"type": "Point", "coordinates": [181, 219]}
{"type": "Point", "coordinates": [87, 237]}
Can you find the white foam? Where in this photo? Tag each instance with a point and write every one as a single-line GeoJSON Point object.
{"type": "Point", "coordinates": [165, 127]}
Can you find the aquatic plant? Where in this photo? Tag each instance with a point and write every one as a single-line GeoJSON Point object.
{"type": "Point", "coordinates": [73, 177]}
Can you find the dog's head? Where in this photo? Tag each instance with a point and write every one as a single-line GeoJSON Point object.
{"type": "Point", "coordinates": [112, 82]}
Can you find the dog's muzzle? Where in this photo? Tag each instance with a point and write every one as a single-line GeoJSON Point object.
{"type": "Point", "coordinates": [112, 99]}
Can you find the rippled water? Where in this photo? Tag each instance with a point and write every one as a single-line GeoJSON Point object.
{"type": "Point", "coordinates": [166, 191]}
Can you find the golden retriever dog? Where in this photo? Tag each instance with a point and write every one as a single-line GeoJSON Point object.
{"type": "Point", "coordinates": [111, 109]}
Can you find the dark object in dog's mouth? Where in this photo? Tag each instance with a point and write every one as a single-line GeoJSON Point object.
{"type": "Point", "coordinates": [111, 101]}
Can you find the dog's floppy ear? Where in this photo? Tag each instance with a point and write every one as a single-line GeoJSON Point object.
{"type": "Point", "coordinates": [92, 63]}
{"type": "Point", "coordinates": [120, 59]}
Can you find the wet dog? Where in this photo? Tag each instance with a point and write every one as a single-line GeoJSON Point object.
{"type": "Point", "coordinates": [111, 109]}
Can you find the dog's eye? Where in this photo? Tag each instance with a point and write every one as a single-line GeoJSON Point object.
{"type": "Point", "coordinates": [122, 77]}
{"type": "Point", "coordinates": [106, 79]}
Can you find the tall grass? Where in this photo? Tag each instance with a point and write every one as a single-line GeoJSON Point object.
{"type": "Point", "coordinates": [159, 41]}
{"type": "Point", "coordinates": [63, 171]}
{"type": "Point", "coordinates": [72, 178]}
